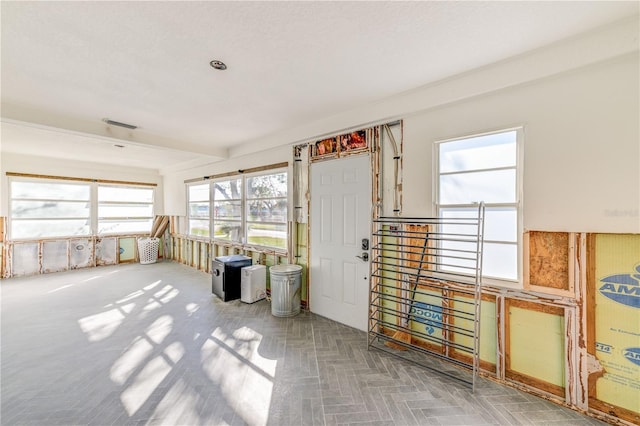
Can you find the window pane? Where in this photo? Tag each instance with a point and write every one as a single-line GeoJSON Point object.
{"type": "Point", "coordinates": [227, 230]}
{"type": "Point", "coordinates": [199, 192]}
{"type": "Point", "coordinates": [268, 210]}
{"type": "Point", "coordinates": [34, 229]}
{"type": "Point", "coordinates": [227, 190]}
{"type": "Point", "coordinates": [267, 186]}
{"type": "Point", "coordinates": [458, 257]}
{"type": "Point", "coordinates": [50, 209]}
{"type": "Point", "coordinates": [199, 209]}
{"type": "Point", "coordinates": [135, 226]}
{"type": "Point", "coordinates": [501, 223]}
{"type": "Point", "coordinates": [497, 186]}
{"type": "Point", "coordinates": [482, 152]}
{"type": "Point", "coordinates": [122, 193]}
{"type": "Point", "coordinates": [230, 210]}
{"type": "Point", "coordinates": [50, 191]}
{"type": "Point", "coordinates": [500, 261]}
{"type": "Point", "coordinates": [199, 227]}
{"type": "Point", "coordinates": [270, 235]}
{"type": "Point", "coordinates": [125, 210]}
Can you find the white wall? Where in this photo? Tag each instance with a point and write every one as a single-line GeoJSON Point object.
{"type": "Point", "coordinates": [19, 163]}
{"type": "Point", "coordinates": [581, 147]}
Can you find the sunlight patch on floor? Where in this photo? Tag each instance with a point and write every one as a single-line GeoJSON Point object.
{"type": "Point", "coordinates": [151, 376]}
{"type": "Point", "coordinates": [179, 406]}
{"type": "Point", "coordinates": [244, 377]}
{"type": "Point", "coordinates": [100, 326]}
{"type": "Point", "coordinates": [160, 329]}
{"type": "Point", "coordinates": [152, 285]}
{"type": "Point", "coordinates": [129, 361]}
{"type": "Point", "coordinates": [60, 288]}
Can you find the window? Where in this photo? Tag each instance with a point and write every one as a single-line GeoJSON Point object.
{"type": "Point", "coordinates": [124, 209]}
{"type": "Point", "coordinates": [198, 212]}
{"type": "Point", "coordinates": [227, 210]}
{"type": "Point", "coordinates": [51, 208]}
{"type": "Point", "coordinates": [251, 209]}
{"type": "Point", "coordinates": [41, 209]}
{"type": "Point", "coordinates": [267, 210]}
{"type": "Point", "coordinates": [484, 168]}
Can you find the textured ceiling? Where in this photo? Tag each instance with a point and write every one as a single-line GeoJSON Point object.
{"type": "Point", "coordinates": [69, 65]}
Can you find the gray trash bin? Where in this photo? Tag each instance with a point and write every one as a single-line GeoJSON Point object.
{"type": "Point", "coordinates": [285, 290]}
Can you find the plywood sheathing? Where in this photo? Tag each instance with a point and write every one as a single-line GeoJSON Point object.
{"type": "Point", "coordinates": [548, 264]}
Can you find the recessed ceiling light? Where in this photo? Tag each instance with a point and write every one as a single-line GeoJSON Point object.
{"type": "Point", "coordinates": [219, 65]}
{"type": "Point", "coordinates": [119, 124]}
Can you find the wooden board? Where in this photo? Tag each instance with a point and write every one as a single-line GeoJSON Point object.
{"type": "Point", "coordinates": [549, 259]}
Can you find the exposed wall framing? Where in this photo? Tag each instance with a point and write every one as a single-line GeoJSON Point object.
{"type": "Point", "coordinates": [198, 253]}
{"type": "Point", "coordinates": [22, 258]}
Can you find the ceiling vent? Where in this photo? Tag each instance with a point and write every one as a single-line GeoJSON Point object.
{"type": "Point", "coordinates": [119, 124]}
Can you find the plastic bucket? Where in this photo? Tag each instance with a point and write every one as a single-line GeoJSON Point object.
{"type": "Point", "coordinates": [285, 290]}
{"type": "Point", "coordinates": [148, 250]}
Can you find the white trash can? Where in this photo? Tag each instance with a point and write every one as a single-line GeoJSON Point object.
{"type": "Point", "coordinates": [148, 250]}
{"type": "Point", "coordinates": [285, 290]}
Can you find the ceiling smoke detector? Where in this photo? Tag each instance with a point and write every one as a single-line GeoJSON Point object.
{"type": "Point", "coordinates": [119, 124]}
{"type": "Point", "coordinates": [219, 65]}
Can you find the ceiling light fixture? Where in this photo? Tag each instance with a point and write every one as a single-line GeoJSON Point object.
{"type": "Point", "coordinates": [219, 65]}
{"type": "Point", "coordinates": [119, 124]}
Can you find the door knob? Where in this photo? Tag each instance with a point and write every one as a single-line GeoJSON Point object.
{"type": "Point", "coordinates": [364, 256]}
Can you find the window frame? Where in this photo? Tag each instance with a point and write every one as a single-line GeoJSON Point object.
{"type": "Point", "coordinates": [244, 207]}
{"type": "Point", "coordinates": [208, 201]}
{"type": "Point", "coordinates": [518, 204]}
{"type": "Point", "coordinates": [98, 203]}
{"type": "Point", "coordinates": [212, 207]}
{"type": "Point", "coordinates": [93, 202]}
{"type": "Point", "coordinates": [246, 200]}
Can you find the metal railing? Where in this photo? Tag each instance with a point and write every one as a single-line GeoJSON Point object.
{"type": "Point", "coordinates": [425, 293]}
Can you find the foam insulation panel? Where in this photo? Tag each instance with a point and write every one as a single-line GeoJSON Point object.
{"type": "Point", "coordinates": [106, 251]}
{"type": "Point", "coordinates": [488, 329]}
{"type": "Point", "coordinates": [426, 318]}
{"type": "Point", "coordinates": [388, 282]}
{"type": "Point", "coordinates": [126, 250]}
{"type": "Point", "coordinates": [80, 253]}
{"type": "Point", "coordinates": [535, 345]}
{"type": "Point", "coordinates": [617, 322]}
{"type": "Point", "coordinates": [55, 256]}
{"type": "Point", "coordinates": [25, 259]}
{"type": "Point", "coordinates": [301, 257]}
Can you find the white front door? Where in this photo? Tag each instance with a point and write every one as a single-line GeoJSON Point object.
{"type": "Point", "coordinates": [340, 219]}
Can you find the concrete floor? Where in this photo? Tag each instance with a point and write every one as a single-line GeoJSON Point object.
{"type": "Point", "coordinates": [149, 344]}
